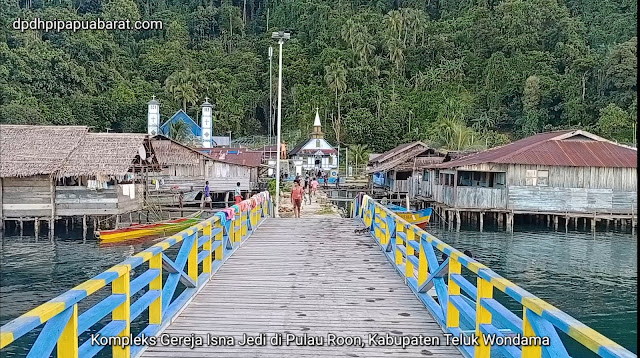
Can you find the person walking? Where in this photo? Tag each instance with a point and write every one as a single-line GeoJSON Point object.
{"type": "Point", "coordinates": [237, 195]}
{"type": "Point", "coordinates": [338, 182]}
{"type": "Point", "coordinates": [314, 187]}
{"type": "Point", "coordinates": [296, 198]}
{"type": "Point", "coordinates": [308, 190]}
{"type": "Point", "coordinates": [207, 196]}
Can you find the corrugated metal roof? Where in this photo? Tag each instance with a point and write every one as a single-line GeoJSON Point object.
{"type": "Point", "coordinates": [561, 148]}
{"type": "Point", "coordinates": [238, 156]}
{"type": "Point", "coordinates": [395, 151]}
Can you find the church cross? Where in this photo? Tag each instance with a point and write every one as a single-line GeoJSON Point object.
{"type": "Point", "coordinates": [206, 99]}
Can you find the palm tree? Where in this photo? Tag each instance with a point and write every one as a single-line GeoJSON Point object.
{"type": "Point", "coordinates": [183, 87]}
{"type": "Point", "coordinates": [396, 53]}
{"type": "Point", "coordinates": [452, 134]}
{"type": "Point", "coordinates": [363, 46]}
{"type": "Point", "coordinates": [359, 153]}
{"type": "Point", "coordinates": [349, 30]}
{"type": "Point", "coordinates": [180, 132]}
{"type": "Point", "coordinates": [395, 23]}
{"type": "Point", "coordinates": [336, 79]}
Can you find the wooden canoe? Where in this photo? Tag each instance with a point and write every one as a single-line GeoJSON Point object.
{"type": "Point", "coordinates": [419, 218]}
{"type": "Point", "coordinates": [148, 230]}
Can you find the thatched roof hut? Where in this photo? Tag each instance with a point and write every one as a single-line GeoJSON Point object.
{"type": "Point", "coordinates": [114, 154]}
{"type": "Point", "coordinates": [65, 151]}
{"type": "Point", "coordinates": [171, 152]}
{"type": "Point", "coordinates": [36, 150]}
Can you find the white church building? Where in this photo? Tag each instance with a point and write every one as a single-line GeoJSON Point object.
{"type": "Point", "coordinates": [314, 153]}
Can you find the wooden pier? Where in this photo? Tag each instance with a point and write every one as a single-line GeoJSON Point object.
{"type": "Point", "coordinates": [317, 282]}
{"type": "Point", "coordinates": [314, 281]}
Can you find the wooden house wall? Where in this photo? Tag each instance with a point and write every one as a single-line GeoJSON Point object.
{"type": "Point", "coordinates": [78, 200]}
{"type": "Point", "coordinates": [570, 190]}
{"type": "Point", "coordinates": [27, 197]}
{"type": "Point", "coordinates": [184, 177]}
{"type": "Point", "coordinates": [126, 204]}
{"type": "Point", "coordinates": [618, 179]}
{"type": "Point", "coordinates": [224, 176]}
{"type": "Point", "coordinates": [533, 198]}
{"type": "Point", "coordinates": [482, 198]}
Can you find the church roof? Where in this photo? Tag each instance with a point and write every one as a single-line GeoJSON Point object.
{"type": "Point", "coordinates": [316, 122]}
{"type": "Point", "coordinates": [181, 115]}
{"type": "Point", "coordinates": [298, 149]}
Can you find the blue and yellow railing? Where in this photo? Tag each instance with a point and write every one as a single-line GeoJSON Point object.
{"type": "Point", "coordinates": [201, 250]}
{"type": "Point", "coordinates": [462, 308]}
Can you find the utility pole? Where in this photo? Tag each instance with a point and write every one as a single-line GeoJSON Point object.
{"type": "Point", "coordinates": [281, 36]}
{"type": "Point", "coordinates": [270, 95]}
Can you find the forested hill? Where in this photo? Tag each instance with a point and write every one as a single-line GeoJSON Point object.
{"type": "Point", "coordinates": [456, 73]}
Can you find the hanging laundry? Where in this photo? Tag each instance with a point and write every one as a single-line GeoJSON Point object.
{"type": "Point", "coordinates": [132, 191]}
{"type": "Point", "coordinates": [125, 189]}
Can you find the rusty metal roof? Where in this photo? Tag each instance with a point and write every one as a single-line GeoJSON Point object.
{"type": "Point", "coordinates": [237, 156]}
{"type": "Point", "coordinates": [560, 148]}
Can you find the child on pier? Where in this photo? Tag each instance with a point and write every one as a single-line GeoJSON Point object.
{"type": "Point", "coordinates": [296, 198]}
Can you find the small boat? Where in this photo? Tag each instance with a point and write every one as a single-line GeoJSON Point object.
{"type": "Point", "coordinates": [419, 218]}
{"type": "Point", "coordinates": [148, 230]}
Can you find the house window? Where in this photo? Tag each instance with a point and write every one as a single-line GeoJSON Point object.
{"type": "Point", "coordinates": [317, 143]}
{"type": "Point", "coordinates": [543, 178]}
{"type": "Point", "coordinates": [310, 161]}
{"type": "Point", "coordinates": [425, 175]}
{"type": "Point", "coordinates": [330, 160]}
{"type": "Point", "coordinates": [537, 178]}
{"type": "Point", "coordinates": [532, 178]}
{"type": "Point", "coordinates": [500, 179]}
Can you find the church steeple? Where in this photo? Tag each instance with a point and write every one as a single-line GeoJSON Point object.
{"type": "Point", "coordinates": [317, 127]}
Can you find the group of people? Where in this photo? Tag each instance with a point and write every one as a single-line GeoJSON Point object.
{"type": "Point", "coordinates": [303, 190]}
{"type": "Point", "coordinates": [237, 195]}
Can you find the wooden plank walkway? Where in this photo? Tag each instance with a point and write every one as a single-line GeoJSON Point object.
{"type": "Point", "coordinates": [309, 276]}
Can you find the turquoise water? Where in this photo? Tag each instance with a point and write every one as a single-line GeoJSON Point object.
{"type": "Point", "coordinates": [594, 279]}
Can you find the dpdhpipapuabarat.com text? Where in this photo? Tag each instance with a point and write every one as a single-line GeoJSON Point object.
{"type": "Point", "coordinates": [57, 25]}
{"type": "Point", "coordinates": [194, 341]}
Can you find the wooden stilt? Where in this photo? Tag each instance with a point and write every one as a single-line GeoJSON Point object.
{"type": "Point", "coordinates": [52, 227]}
{"type": "Point", "coordinates": [593, 224]}
{"type": "Point", "coordinates": [555, 222]}
{"type": "Point", "coordinates": [584, 223]}
{"type": "Point", "coordinates": [566, 224]}
{"type": "Point", "coordinates": [36, 227]}
{"type": "Point", "coordinates": [84, 226]}
{"type": "Point", "coordinates": [458, 223]}
{"type": "Point", "coordinates": [575, 224]}
{"type": "Point", "coordinates": [21, 226]}
{"type": "Point", "coordinates": [130, 218]}
{"type": "Point", "coordinates": [481, 217]}
{"type": "Point", "coordinates": [117, 221]}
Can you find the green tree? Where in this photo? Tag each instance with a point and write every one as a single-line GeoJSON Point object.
{"type": "Point", "coordinates": [183, 87]}
{"type": "Point", "coordinates": [616, 124]}
{"type": "Point", "coordinates": [336, 79]}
